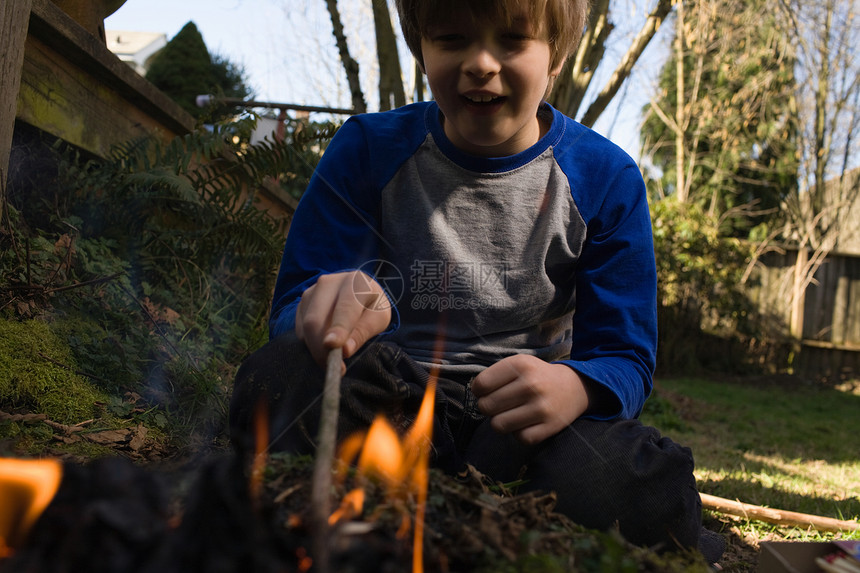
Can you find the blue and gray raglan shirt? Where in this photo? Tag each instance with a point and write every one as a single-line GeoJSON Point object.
{"type": "Point", "coordinates": [547, 252]}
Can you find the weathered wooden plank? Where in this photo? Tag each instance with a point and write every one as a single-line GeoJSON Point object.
{"type": "Point", "coordinates": [816, 320]}
{"type": "Point", "coordinates": [773, 276]}
{"type": "Point", "coordinates": [57, 29]}
{"type": "Point", "coordinates": [74, 88]}
{"type": "Point", "coordinates": [831, 344]}
{"type": "Point", "coordinates": [840, 305]}
{"type": "Point", "coordinates": [15, 22]}
{"type": "Point", "coordinates": [852, 323]}
{"type": "Point", "coordinates": [65, 102]}
{"type": "Point", "coordinates": [274, 199]}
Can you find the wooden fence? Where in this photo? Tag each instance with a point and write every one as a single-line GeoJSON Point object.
{"type": "Point", "coordinates": [829, 345]}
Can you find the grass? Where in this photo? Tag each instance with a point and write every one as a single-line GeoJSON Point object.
{"type": "Point", "coordinates": [775, 442]}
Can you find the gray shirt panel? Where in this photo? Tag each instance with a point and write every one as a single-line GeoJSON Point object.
{"type": "Point", "coordinates": [488, 259]}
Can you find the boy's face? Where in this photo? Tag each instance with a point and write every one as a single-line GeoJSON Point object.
{"type": "Point", "coordinates": [488, 78]}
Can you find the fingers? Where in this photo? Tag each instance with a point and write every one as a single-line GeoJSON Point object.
{"type": "Point", "coordinates": [516, 408]}
{"type": "Point", "coordinates": [530, 423]}
{"type": "Point", "coordinates": [507, 394]}
{"type": "Point", "coordinates": [342, 310]}
{"type": "Point", "coordinates": [505, 384]}
{"type": "Point", "coordinates": [496, 376]}
{"type": "Point", "coordinates": [529, 398]}
{"type": "Point", "coordinates": [361, 312]}
{"type": "Point", "coordinates": [313, 316]}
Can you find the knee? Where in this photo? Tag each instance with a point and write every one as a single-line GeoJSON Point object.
{"type": "Point", "coordinates": [268, 384]}
{"type": "Point", "coordinates": [624, 473]}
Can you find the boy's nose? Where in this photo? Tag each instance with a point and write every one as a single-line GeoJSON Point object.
{"type": "Point", "coordinates": [481, 62]}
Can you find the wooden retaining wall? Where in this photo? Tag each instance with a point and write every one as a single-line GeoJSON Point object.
{"type": "Point", "coordinates": [57, 75]}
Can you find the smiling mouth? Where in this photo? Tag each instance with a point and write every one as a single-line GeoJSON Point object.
{"type": "Point", "coordinates": [483, 99]}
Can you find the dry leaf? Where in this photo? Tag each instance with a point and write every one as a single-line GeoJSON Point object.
{"type": "Point", "coordinates": [138, 438]}
{"type": "Point", "coordinates": [107, 437]}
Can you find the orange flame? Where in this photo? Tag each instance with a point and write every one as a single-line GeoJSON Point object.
{"type": "Point", "coordinates": [261, 448]}
{"type": "Point", "coordinates": [26, 489]}
{"type": "Point", "coordinates": [401, 464]}
{"type": "Point", "coordinates": [350, 507]}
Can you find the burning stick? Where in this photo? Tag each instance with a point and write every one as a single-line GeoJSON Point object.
{"type": "Point", "coordinates": [327, 438]}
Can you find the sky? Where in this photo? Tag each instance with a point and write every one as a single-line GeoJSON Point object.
{"type": "Point", "coordinates": [287, 50]}
{"type": "Point", "coordinates": [233, 28]}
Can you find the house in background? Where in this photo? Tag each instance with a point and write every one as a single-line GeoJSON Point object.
{"type": "Point", "coordinates": [136, 49]}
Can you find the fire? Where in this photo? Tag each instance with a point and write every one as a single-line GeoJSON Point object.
{"type": "Point", "coordinates": [402, 465]}
{"type": "Point", "coordinates": [26, 489]}
{"type": "Point", "coordinates": [261, 448]}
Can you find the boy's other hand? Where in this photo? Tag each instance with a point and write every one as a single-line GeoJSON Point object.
{"type": "Point", "coordinates": [530, 398]}
{"type": "Point", "coordinates": [341, 310]}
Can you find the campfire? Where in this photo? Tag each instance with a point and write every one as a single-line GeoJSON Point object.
{"type": "Point", "coordinates": [111, 515]}
{"type": "Point", "coordinates": [383, 460]}
{"type": "Point", "coordinates": [402, 465]}
{"type": "Point", "coordinates": [270, 515]}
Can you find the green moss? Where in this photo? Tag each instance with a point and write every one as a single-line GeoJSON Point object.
{"type": "Point", "coordinates": [37, 374]}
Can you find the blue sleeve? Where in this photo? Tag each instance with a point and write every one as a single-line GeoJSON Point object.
{"type": "Point", "coordinates": [334, 228]}
{"type": "Point", "coordinates": [615, 322]}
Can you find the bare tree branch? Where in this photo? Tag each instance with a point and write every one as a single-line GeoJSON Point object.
{"type": "Point", "coordinates": [578, 71]}
{"type": "Point", "coordinates": [350, 65]}
{"type": "Point", "coordinates": [625, 66]}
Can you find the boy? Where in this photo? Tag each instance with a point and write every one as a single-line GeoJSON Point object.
{"type": "Point", "coordinates": [489, 236]}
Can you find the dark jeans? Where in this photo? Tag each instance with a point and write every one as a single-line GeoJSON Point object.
{"type": "Point", "coordinates": [604, 473]}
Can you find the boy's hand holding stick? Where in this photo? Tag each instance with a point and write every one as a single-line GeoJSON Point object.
{"type": "Point", "coordinates": [321, 489]}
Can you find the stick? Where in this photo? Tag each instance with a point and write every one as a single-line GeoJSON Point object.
{"type": "Point", "coordinates": [776, 516]}
{"type": "Point", "coordinates": [321, 489]}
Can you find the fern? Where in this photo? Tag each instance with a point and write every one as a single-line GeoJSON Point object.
{"type": "Point", "coordinates": [180, 256]}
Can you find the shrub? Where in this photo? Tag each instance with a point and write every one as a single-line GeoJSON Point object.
{"type": "Point", "coordinates": [705, 318]}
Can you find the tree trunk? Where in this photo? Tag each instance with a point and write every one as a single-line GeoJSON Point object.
{"type": "Point", "coordinates": [680, 120]}
{"type": "Point", "coordinates": [350, 66]}
{"type": "Point", "coordinates": [821, 151]}
{"type": "Point", "coordinates": [622, 72]}
{"type": "Point", "coordinates": [572, 83]}
{"type": "Point", "coordinates": [798, 290]}
{"type": "Point", "coordinates": [391, 93]}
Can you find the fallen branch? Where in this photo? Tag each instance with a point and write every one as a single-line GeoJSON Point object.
{"type": "Point", "coordinates": [776, 516]}
{"type": "Point", "coordinates": [6, 417]}
{"type": "Point", "coordinates": [32, 418]}
{"type": "Point", "coordinates": [50, 290]}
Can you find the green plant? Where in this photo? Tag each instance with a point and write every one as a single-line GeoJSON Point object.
{"type": "Point", "coordinates": [37, 374]}
{"type": "Point", "coordinates": [705, 319]}
{"type": "Point", "coordinates": [156, 265]}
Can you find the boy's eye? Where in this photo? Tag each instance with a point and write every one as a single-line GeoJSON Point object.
{"type": "Point", "coordinates": [447, 38]}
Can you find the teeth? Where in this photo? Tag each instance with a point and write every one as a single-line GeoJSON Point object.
{"type": "Point", "coordinates": [481, 98]}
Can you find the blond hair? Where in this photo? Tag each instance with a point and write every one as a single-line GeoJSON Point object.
{"type": "Point", "coordinates": [562, 20]}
